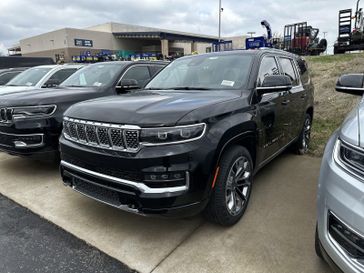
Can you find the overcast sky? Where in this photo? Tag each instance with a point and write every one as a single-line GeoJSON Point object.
{"type": "Point", "coordinates": [24, 18]}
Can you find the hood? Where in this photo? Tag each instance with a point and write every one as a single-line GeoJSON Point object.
{"type": "Point", "coordinates": [47, 96]}
{"type": "Point", "coordinates": [155, 108]}
{"type": "Point", "coordinates": [352, 130]}
{"type": "Point", "coordinates": [13, 89]}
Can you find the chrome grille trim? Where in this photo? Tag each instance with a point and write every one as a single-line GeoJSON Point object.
{"type": "Point", "coordinates": [103, 135]}
{"type": "Point", "coordinates": [6, 115]}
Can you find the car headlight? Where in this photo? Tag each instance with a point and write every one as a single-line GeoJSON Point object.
{"type": "Point", "coordinates": [33, 111]}
{"type": "Point", "coordinates": [171, 135]}
{"type": "Point", "coordinates": [350, 157]}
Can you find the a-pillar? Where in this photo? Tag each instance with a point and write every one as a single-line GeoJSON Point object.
{"type": "Point", "coordinates": [164, 48]}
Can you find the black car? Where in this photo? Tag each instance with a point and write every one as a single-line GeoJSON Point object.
{"type": "Point", "coordinates": [7, 74]}
{"type": "Point", "coordinates": [193, 138]}
{"type": "Point", "coordinates": [31, 121]}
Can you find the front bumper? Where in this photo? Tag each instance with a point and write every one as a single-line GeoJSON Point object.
{"type": "Point", "coordinates": [118, 178]}
{"type": "Point", "coordinates": [38, 139]}
{"type": "Point", "coordinates": [340, 213]}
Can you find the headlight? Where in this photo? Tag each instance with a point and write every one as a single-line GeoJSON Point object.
{"type": "Point", "coordinates": [350, 157]}
{"type": "Point", "coordinates": [171, 135]}
{"type": "Point", "coordinates": [33, 111]}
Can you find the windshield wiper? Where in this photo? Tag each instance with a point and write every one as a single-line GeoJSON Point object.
{"type": "Point", "coordinates": [73, 85]}
{"type": "Point", "coordinates": [189, 88]}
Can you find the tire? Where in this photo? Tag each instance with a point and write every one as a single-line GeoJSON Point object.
{"type": "Point", "coordinates": [231, 194]}
{"type": "Point", "coordinates": [303, 142]}
{"type": "Point", "coordinates": [317, 245]}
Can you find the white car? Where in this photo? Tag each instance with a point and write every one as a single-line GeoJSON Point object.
{"type": "Point", "coordinates": [43, 76]}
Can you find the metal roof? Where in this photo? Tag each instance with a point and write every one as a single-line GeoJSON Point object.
{"type": "Point", "coordinates": [163, 35]}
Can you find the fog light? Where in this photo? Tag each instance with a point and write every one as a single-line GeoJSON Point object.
{"type": "Point", "coordinates": [28, 141]}
{"type": "Point", "coordinates": [162, 177]}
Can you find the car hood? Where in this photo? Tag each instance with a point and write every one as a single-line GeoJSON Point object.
{"type": "Point", "coordinates": [352, 130]}
{"type": "Point", "coordinates": [47, 96]}
{"type": "Point", "coordinates": [14, 89]}
{"type": "Point", "coordinates": [157, 108]}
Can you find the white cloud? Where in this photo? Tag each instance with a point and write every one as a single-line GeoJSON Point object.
{"type": "Point", "coordinates": [27, 18]}
{"type": "Point", "coordinates": [3, 50]}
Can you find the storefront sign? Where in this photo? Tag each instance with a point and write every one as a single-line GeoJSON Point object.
{"type": "Point", "coordinates": [83, 42]}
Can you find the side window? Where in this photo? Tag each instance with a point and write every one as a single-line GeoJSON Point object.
{"type": "Point", "coordinates": [61, 75]}
{"type": "Point", "coordinates": [288, 70]}
{"type": "Point", "coordinates": [139, 73]}
{"type": "Point", "coordinates": [4, 78]}
{"type": "Point", "coordinates": [268, 67]}
{"type": "Point", "coordinates": [302, 65]}
{"type": "Point", "coordinates": [154, 69]}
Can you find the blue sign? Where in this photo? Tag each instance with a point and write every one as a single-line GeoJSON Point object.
{"type": "Point", "coordinates": [83, 42]}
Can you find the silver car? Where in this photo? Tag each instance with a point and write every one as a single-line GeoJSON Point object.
{"type": "Point", "coordinates": [340, 226]}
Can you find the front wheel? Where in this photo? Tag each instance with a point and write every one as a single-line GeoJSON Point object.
{"type": "Point", "coordinates": [231, 193]}
{"type": "Point", "coordinates": [304, 138]}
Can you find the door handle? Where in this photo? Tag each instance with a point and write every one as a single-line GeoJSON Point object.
{"type": "Point", "coordinates": [286, 102]}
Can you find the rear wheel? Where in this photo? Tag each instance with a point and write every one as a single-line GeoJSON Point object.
{"type": "Point", "coordinates": [231, 194]}
{"type": "Point", "coordinates": [304, 138]}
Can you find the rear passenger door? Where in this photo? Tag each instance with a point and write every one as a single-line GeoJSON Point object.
{"type": "Point", "coordinates": [295, 103]}
{"type": "Point", "coordinates": [271, 110]}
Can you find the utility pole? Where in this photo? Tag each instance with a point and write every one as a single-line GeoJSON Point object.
{"type": "Point", "coordinates": [220, 11]}
{"type": "Point", "coordinates": [251, 33]}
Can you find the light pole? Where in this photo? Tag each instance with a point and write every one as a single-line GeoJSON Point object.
{"type": "Point", "coordinates": [220, 11]}
{"type": "Point", "coordinates": [251, 33]}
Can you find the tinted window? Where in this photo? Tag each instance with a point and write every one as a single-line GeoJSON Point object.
{"type": "Point", "coordinates": [268, 67]}
{"type": "Point", "coordinates": [209, 71]}
{"type": "Point", "coordinates": [155, 69]}
{"type": "Point", "coordinates": [63, 74]}
{"type": "Point", "coordinates": [288, 70]}
{"type": "Point", "coordinates": [302, 65]}
{"type": "Point", "coordinates": [4, 78]}
{"type": "Point", "coordinates": [139, 73]}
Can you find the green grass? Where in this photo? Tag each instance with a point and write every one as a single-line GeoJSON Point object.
{"type": "Point", "coordinates": [326, 59]}
{"type": "Point", "coordinates": [322, 129]}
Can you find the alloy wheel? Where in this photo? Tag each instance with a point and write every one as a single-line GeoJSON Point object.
{"type": "Point", "coordinates": [238, 186]}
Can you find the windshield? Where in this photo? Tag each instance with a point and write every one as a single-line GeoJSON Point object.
{"type": "Point", "coordinates": [94, 75]}
{"type": "Point", "coordinates": [207, 71]}
{"type": "Point", "coordinates": [29, 77]}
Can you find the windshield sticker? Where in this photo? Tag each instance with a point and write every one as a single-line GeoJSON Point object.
{"type": "Point", "coordinates": [29, 84]}
{"type": "Point", "coordinates": [213, 58]}
{"type": "Point", "coordinates": [227, 83]}
{"type": "Point", "coordinates": [97, 84]}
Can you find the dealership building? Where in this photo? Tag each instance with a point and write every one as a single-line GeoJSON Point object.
{"type": "Point", "coordinates": [122, 40]}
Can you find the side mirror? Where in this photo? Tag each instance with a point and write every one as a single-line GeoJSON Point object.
{"type": "Point", "coordinates": [128, 84]}
{"type": "Point", "coordinates": [275, 83]}
{"type": "Point", "coordinates": [51, 83]}
{"type": "Point", "coordinates": [351, 84]}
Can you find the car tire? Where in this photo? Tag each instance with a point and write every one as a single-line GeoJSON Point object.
{"type": "Point", "coordinates": [303, 142]}
{"type": "Point", "coordinates": [231, 193]}
{"type": "Point", "coordinates": [317, 245]}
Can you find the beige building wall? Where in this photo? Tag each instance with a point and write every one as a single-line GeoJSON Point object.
{"type": "Point", "coordinates": [238, 41]}
{"type": "Point", "coordinates": [62, 42]}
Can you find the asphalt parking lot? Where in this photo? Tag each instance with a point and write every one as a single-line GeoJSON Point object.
{"type": "Point", "coordinates": [276, 234]}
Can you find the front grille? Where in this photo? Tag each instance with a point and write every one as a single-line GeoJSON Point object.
{"type": "Point", "coordinates": [102, 135]}
{"type": "Point", "coordinates": [6, 115]}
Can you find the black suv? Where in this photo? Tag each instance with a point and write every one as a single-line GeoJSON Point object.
{"type": "Point", "coordinates": [193, 138]}
{"type": "Point", "coordinates": [31, 121]}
